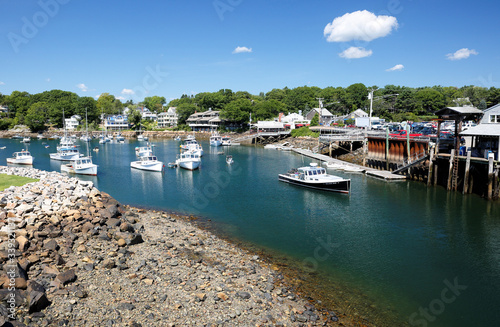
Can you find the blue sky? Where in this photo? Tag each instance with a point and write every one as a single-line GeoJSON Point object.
{"type": "Point", "coordinates": [134, 49]}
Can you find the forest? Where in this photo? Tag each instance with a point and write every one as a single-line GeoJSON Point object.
{"type": "Point", "coordinates": [394, 103]}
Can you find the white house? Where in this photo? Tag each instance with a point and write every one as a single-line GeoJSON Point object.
{"type": "Point", "coordinates": [205, 121]}
{"type": "Point", "coordinates": [168, 118]}
{"type": "Point", "coordinates": [485, 137]}
{"type": "Point", "coordinates": [116, 122]}
{"type": "Point", "coordinates": [72, 123]}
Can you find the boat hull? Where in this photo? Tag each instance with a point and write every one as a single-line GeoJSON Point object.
{"type": "Point", "coordinates": [23, 161]}
{"type": "Point", "coordinates": [341, 186]}
{"type": "Point", "coordinates": [189, 165]}
{"type": "Point", "coordinates": [157, 166]}
{"type": "Point", "coordinates": [62, 157]}
{"type": "Point", "coordinates": [91, 170]}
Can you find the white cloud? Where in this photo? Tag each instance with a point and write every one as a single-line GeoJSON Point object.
{"type": "Point", "coordinates": [2, 83]}
{"type": "Point", "coordinates": [397, 67]}
{"type": "Point", "coordinates": [82, 87]}
{"type": "Point", "coordinates": [359, 25]}
{"type": "Point", "coordinates": [128, 91]}
{"type": "Point", "coordinates": [120, 98]}
{"type": "Point", "coordinates": [242, 50]}
{"type": "Point", "coordinates": [355, 53]}
{"type": "Point", "coordinates": [48, 80]}
{"type": "Point", "coordinates": [463, 53]}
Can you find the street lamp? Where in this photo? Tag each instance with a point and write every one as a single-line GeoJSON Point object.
{"type": "Point", "coordinates": [370, 96]}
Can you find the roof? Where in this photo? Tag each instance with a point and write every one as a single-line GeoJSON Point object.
{"type": "Point", "coordinates": [467, 113]}
{"type": "Point", "coordinates": [483, 130]}
{"type": "Point", "coordinates": [269, 124]}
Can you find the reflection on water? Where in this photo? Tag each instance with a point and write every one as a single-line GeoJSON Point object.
{"type": "Point", "coordinates": [147, 181]}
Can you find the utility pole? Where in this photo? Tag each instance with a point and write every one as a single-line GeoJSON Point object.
{"type": "Point", "coordinates": [370, 96]}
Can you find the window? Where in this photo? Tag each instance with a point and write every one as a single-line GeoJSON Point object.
{"type": "Point", "coordinates": [494, 118]}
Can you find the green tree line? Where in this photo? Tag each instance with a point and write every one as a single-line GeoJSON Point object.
{"type": "Point", "coordinates": [390, 102]}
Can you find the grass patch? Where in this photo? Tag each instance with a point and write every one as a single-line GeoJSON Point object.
{"type": "Point", "coordinates": [7, 181]}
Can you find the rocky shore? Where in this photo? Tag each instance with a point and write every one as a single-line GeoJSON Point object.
{"type": "Point", "coordinates": [73, 256]}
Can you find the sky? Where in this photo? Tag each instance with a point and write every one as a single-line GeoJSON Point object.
{"type": "Point", "coordinates": [135, 49]}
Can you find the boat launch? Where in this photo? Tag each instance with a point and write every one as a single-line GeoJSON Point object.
{"type": "Point", "coordinates": [316, 177]}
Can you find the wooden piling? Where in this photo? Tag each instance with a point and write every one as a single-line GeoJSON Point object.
{"type": "Point", "coordinates": [466, 176]}
{"type": "Point", "coordinates": [490, 177]}
{"type": "Point", "coordinates": [450, 170]}
{"type": "Point", "coordinates": [431, 166]}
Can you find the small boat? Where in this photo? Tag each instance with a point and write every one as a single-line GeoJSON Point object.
{"type": "Point", "coordinates": [86, 138]}
{"type": "Point", "coordinates": [353, 169]}
{"type": "Point", "coordinates": [66, 154]}
{"type": "Point", "coordinates": [40, 136]}
{"type": "Point", "coordinates": [226, 141]}
{"type": "Point", "coordinates": [215, 139]}
{"type": "Point", "coordinates": [17, 137]}
{"type": "Point", "coordinates": [177, 138]}
{"type": "Point", "coordinates": [140, 137]}
{"type": "Point", "coordinates": [193, 145]}
{"type": "Point", "coordinates": [26, 139]}
{"type": "Point", "coordinates": [120, 138]}
{"type": "Point", "coordinates": [2, 147]}
{"type": "Point", "coordinates": [334, 165]}
{"type": "Point", "coordinates": [316, 177]}
{"type": "Point", "coordinates": [81, 166]}
{"type": "Point", "coordinates": [229, 160]}
{"type": "Point", "coordinates": [220, 152]}
{"type": "Point", "coordinates": [150, 163]}
{"type": "Point", "coordinates": [47, 146]}
{"type": "Point", "coordinates": [172, 165]}
{"type": "Point", "coordinates": [21, 158]}
{"type": "Point", "coordinates": [189, 160]}
{"type": "Point", "coordinates": [95, 149]}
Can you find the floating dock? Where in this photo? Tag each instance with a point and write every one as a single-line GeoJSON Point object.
{"type": "Point", "coordinates": [382, 174]}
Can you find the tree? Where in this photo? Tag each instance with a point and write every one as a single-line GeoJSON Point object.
{"type": "Point", "coordinates": [237, 111]}
{"type": "Point", "coordinates": [105, 103]}
{"type": "Point", "coordinates": [184, 110]}
{"type": "Point", "coordinates": [265, 110]}
{"type": "Point", "coordinates": [36, 116]}
{"type": "Point", "coordinates": [134, 117]}
{"type": "Point", "coordinates": [429, 101]}
{"type": "Point", "coordinates": [154, 103]}
{"type": "Point", "coordinates": [357, 95]}
{"type": "Point", "coordinates": [315, 120]}
{"type": "Point", "coordinates": [19, 103]}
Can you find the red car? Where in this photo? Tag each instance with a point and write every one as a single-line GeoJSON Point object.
{"type": "Point", "coordinates": [402, 134]}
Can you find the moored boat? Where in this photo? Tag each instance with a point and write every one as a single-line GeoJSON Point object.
{"type": "Point", "coordinates": [189, 160]}
{"type": "Point", "coordinates": [80, 166]}
{"type": "Point", "coordinates": [229, 160]}
{"type": "Point", "coordinates": [226, 141]}
{"type": "Point", "coordinates": [316, 177]}
{"type": "Point", "coordinates": [150, 163]}
{"type": "Point", "coordinates": [215, 139]}
{"type": "Point", "coordinates": [143, 151]}
{"type": "Point", "coordinates": [66, 154]}
{"type": "Point", "coordinates": [21, 158]}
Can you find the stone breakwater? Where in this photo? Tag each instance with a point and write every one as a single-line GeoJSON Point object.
{"type": "Point", "coordinates": [79, 258]}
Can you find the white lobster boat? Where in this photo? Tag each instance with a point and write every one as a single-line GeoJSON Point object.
{"type": "Point", "coordinates": [150, 163]}
{"type": "Point", "coordinates": [189, 160]}
{"type": "Point", "coordinates": [21, 158]}
{"type": "Point", "coordinates": [81, 166]}
{"type": "Point", "coordinates": [316, 178]}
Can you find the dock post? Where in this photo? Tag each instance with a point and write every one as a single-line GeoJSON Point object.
{"type": "Point", "coordinates": [431, 166]}
{"type": "Point", "coordinates": [387, 149]}
{"type": "Point", "coordinates": [466, 176]}
{"type": "Point", "coordinates": [490, 176]}
{"type": "Point", "coordinates": [450, 170]}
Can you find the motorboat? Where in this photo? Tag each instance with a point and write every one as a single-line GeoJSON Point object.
{"type": "Point", "coordinates": [80, 166]}
{"type": "Point", "coordinates": [353, 169]}
{"type": "Point", "coordinates": [120, 138]}
{"type": "Point", "coordinates": [177, 138]}
{"type": "Point", "coordinates": [143, 151]}
{"type": "Point", "coordinates": [193, 145]}
{"type": "Point", "coordinates": [229, 160]}
{"type": "Point", "coordinates": [215, 139]}
{"type": "Point", "coordinates": [65, 142]}
{"type": "Point", "coordinates": [26, 139]}
{"type": "Point", "coordinates": [40, 136]}
{"type": "Point", "coordinates": [66, 154]}
{"type": "Point", "coordinates": [21, 158]}
{"type": "Point", "coordinates": [189, 160]}
{"type": "Point", "coordinates": [316, 177]}
{"type": "Point", "coordinates": [86, 138]}
{"type": "Point", "coordinates": [150, 163]}
{"type": "Point", "coordinates": [226, 141]}
{"type": "Point", "coordinates": [140, 137]}
{"type": "Point", "coordinates": [335, 165]}
{"type": "Point", "coordinates": [190, 138]}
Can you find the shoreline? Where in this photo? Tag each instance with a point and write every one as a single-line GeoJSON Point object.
{"type": "Point", "coordinates": [103, 251]}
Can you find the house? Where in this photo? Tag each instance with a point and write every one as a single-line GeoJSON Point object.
{"type": "Point", "coordinates": [485, 137]}
{"type": "Point", "coordinates": [325, 116]}
{"type": "Point", "coordinates": [293, 120]}
{"type": "Point", "coordinates": [4, 109]}
{"type": "Point", "coordinates": [270, 127]}
{"type": "Point", "coordinates": [168, 118]}
{"type": "Point", "coordinates": [116, 122]}
{"type": "Point", "coordinates": [147, 114]}
{"type": "Point", "coordinates": [358, 113]}
{"type": "Point", "coordinates": [205, 121]}
{"type": "Point", "coordinates": [72, 123]}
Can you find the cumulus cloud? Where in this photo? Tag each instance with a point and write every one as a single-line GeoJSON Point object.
{"type": "Point", "coordinates": [463, 53]}
{"type": "Point", "coordinates": [355, 53]}
{"type": "Point", "coordinates": [359, 25]}
{"type": "Point", "coordinates": [128, 91]}
{"type": "Point", "coordinates": [82, 87]}
{"type": "Point", "coordinates": [2, 83]}
{"type": "Point", "coordinates": [242, 50]}
{"type": "Point", "coordinates": [120, 98]}
{"type": "Point", "coordinates": [397, 67]}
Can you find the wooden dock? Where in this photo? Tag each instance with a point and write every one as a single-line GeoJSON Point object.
{"type": "Point", "coordinates": [382, 174]}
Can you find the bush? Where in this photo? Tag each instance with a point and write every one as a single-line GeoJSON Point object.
{"type": "Point", "coordinates": [303, 131]}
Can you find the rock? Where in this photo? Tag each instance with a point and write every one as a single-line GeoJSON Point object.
{"type": "Point", "coordinates": [121, 242]}
{"type": "Point", "coordinates": [67, 277]}
{"type": "Point", "coordinates": [23, 243]}
{"type": "Point", "coordinates": [37, 299]}
{"type": "Point", "coordinates": [243, 295]}
{"type": "Point", "coordinates": [109, 264]}
{"type": "Point", "coordinates": [223, 296]}
{"type": "Point", "coordinates": [51, 245]}
{"type": "Point", "coordinates": [199, 297]}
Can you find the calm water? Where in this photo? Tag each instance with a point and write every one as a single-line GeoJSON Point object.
{"type": "Point", "coordinates": [422, 255]}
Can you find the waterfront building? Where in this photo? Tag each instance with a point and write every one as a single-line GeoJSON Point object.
{"type": "Point", "coordinates": [72, 123]}
{"type": "Point", "coordinates": [325, 116]}
{"type": "Point", "coordinates": [116, 122]}
{"type": "Point", "coordinates": [205, 121]}
{"type": "Point", "coordinates": [168, 118]}
{"type": "Point", "coordinates": [485, 137]}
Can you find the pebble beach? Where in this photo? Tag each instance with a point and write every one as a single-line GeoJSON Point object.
{"type": "Point", "coordinates": [83, 259]}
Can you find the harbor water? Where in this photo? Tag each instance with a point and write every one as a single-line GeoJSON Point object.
{"type": "Point", "coordinates": [392, 253]}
